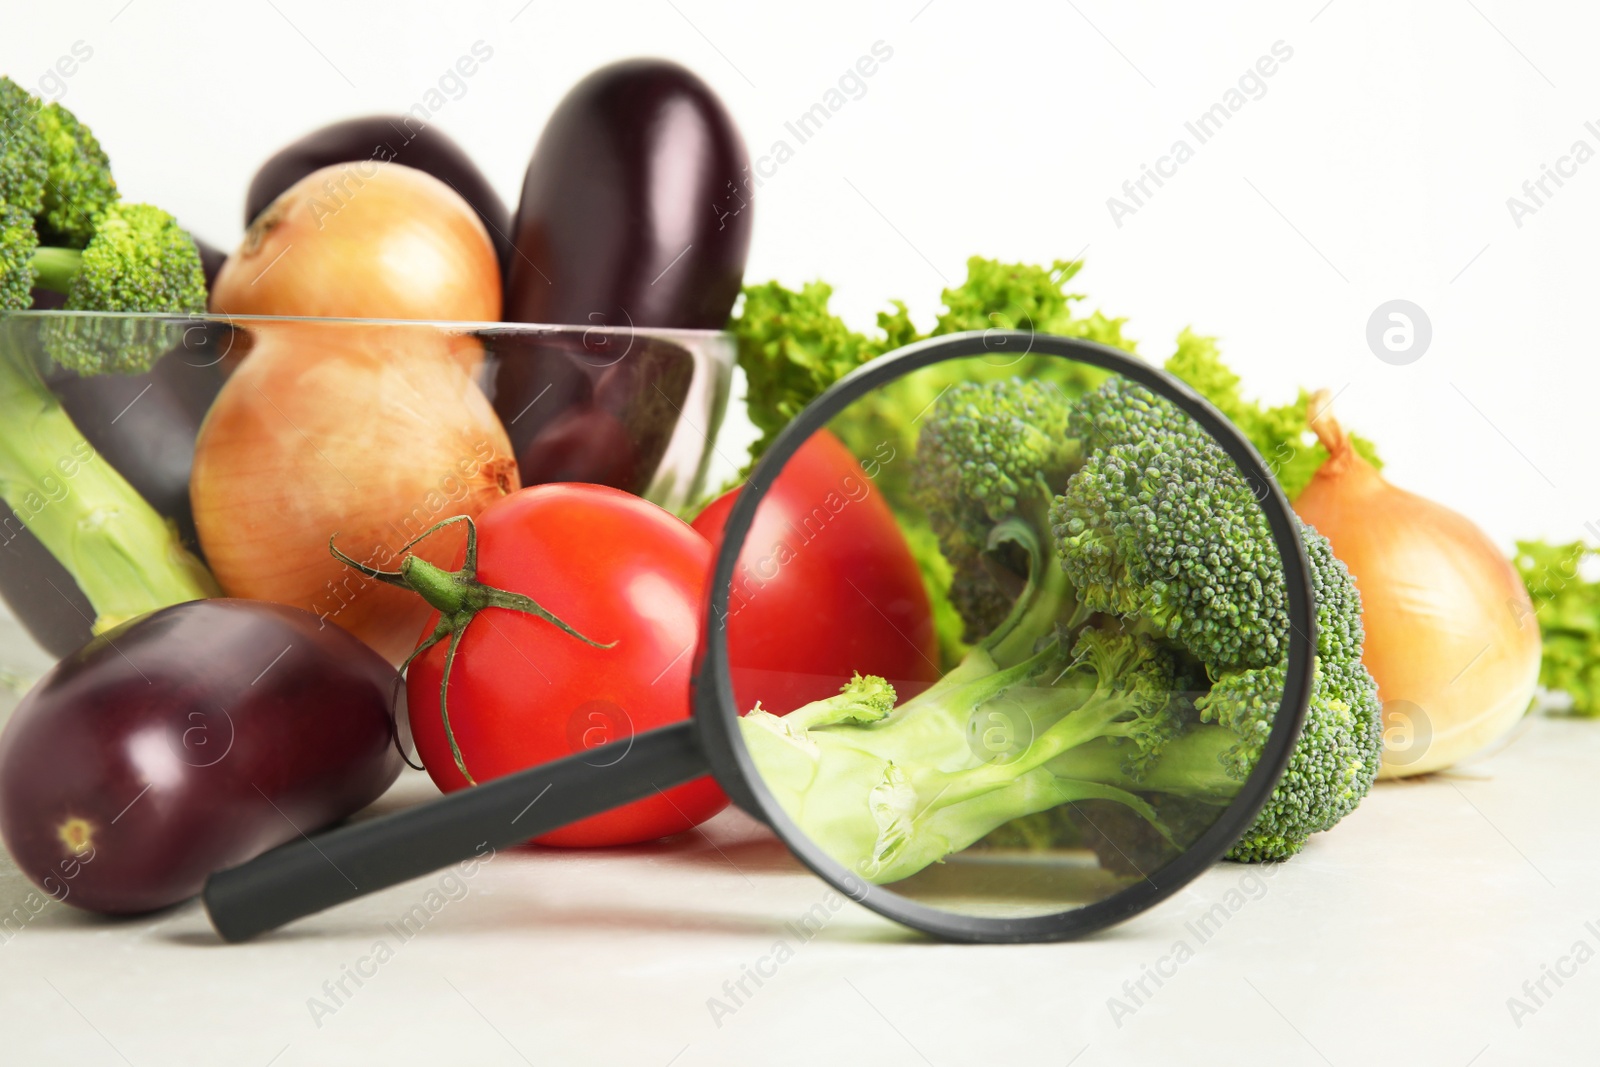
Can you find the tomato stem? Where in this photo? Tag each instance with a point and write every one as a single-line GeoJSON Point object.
{"type": "Point", "coordinates": [458, 596]}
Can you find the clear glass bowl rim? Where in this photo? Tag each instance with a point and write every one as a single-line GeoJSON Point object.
{"type": "Point", "coordinates": [454, 325]}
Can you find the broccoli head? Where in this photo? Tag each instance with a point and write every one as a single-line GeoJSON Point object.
{"type": "Point", "coordinates": [23, 157]}
{"type": "Point", "coordinates": [55, 182]}
{"type": "Point", "coordinates": [1334, 762]}
{"type": "Point", "coordinates": [1161, 525]}
{"type": "Point", "coordinates": [1132, 647]}
{"type": "Point", "coordinates": [988, 453]}
{"type": "Point", "coordinates": [17, 244]}
{"type": "Point", "coordinates": [139, 260]}
{"type": "Point", "coordinates": [78, 186]}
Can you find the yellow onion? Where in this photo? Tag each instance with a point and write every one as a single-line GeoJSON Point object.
{"type": "Point", "coordinates": [1451, 636]}
{"type": "Point", "coordinates": [366, 434]}
{"type": "Point", "coordinates": [364, 240]}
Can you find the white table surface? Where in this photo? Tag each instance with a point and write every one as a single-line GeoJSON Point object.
{"type": "Point", "coordinates": [1398, 938]}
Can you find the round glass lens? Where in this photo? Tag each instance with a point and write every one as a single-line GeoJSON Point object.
{"type": "Point", "coordinates": [1008, 636]}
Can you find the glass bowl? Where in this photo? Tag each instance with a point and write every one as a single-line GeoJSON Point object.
{"type": "Point", "coordinates": [636, 409]}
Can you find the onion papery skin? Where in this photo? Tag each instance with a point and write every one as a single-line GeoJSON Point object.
{"type": "Point", "coordinates": [364, 240]}
{"type": "Point", "coordinates": [1451, 637]}
{"type": "Point", "coordinates": [367, 435]}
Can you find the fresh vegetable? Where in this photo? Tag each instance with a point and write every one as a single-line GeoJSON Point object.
{"type": "Point", "coordinates": [826, 586]}
{"type": "Point", "coordinates": [78, 183]}
{"type": "Point", "coordinates": [1566, 602]}
{"type": "Point", "coordinates": [792, 347]}
{"type": "Point", "coordinates": [391, 139]}
{"type": "Point", "coordinates": [592, 407]}
{"type": "Point", "coordinates": [569, 621]}
{"type": "Point", "coordinates": [41, 593]}
{"type": "Point", "coordinates": [636, 208]}
{"type": "Point", "coordinates": [368, 433]}
{"type": "Point", "coordinates": [189, 740]}
{"type": "Point", "coordinates": [364, 240]}
{"type": "Point", "coordinates": [119, 550]}
{"type": "Point", "coordinates": [1451, 637]}
{"type": "Point", "coordinates": [1281, 434]}
{"type": "Point", "coordinates": [144, 427]}
{"type": "Point", "coordinates": [1120, 619]}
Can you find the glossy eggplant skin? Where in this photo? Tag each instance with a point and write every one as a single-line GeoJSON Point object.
{"type": "Point", "coordinates": [190, 740]}
{"type": "Point", "coordinates": [636, 208]}
{"type": "Point", "coordinates": [393, 138]}
{"type": "Point", "coordinates": [40, 592]}
{"type": "Point", "coordinates": [579, 409]}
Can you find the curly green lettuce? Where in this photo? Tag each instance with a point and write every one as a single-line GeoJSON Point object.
{"type": "Point", "coordinates": [1282, 434]}
{"type": "Point", "coordinates": [1567, 605]}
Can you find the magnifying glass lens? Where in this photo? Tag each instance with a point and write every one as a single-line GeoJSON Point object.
{"type": "Point", "coordinates": [1007, 637]}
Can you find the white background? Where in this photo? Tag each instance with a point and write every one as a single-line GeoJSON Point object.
{"type": "Point", "coordinates": [1376, 166]}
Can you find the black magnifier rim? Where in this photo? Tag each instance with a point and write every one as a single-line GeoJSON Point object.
{"type": "Point", "coordinates": [716, 714]}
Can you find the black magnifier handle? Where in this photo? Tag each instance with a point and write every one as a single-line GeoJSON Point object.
{"type": "Point", "coordinates": [313, 873]}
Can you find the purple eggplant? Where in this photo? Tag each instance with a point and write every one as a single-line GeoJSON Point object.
{"type": "Point", "coordinates": [578, 409]}
{"type": "Point", "coordinates": [187, 741]}
{"type": "Point", "coordinates": [636, 208]}
{"type": "Point", "coordinates": [393, 138]}
{"type": "Point", "coordinates": [41, 593]}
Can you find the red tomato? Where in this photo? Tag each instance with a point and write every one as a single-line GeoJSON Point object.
{"type": "Point", "coordinates": [614, 567]}
{"type": "Point", "coordinates": [825, 585]}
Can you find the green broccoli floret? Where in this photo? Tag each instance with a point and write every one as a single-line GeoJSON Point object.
{"type": "Point", "coordinates": [992, 453]}
{"type": "Point", "coordinates": [1160, 525]}
{"type": "Point", "coordinates": [125, 557]}
{"type": "Point", "coordinates": [103, 255]}
{"type": "Point", "coordinates": [792, 347]}
{"type": "Point", "coordinates": [1340, 747]}
{"type": "Point", "coordinates": [17, 245]}
{"type": "Point", "coordinates": [139, 260]}
{"type": "Point", "coordinates": [1140, 659]}
{"type": "Point", "coordinates": [23, 158]}
{"type": "Point", "coordinates": [78, 183]}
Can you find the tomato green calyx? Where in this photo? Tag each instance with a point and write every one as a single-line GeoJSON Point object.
{"type": "Point", "coordinates": [458, 596]}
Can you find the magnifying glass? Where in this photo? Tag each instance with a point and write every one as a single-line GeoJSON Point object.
{"type": "Point", "coordinates": [1070, 630]}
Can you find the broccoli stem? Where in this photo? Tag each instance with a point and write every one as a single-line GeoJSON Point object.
{"type": "Point", "coordinates": [125, 557]}
{"type": "Point", "coordinates": [947, 828]}
{"type": "Point", "coordinates": [1191, 765]}
{"type": "Point", "coordinates": [55, 268]}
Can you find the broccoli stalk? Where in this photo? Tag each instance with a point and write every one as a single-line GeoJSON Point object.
{"type": "Point", "coordinates": [125, 557]}
{"type": "Point", "coordinates": [111, 257]}
{"type": "Point", "coordinates": [1131, 624]}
